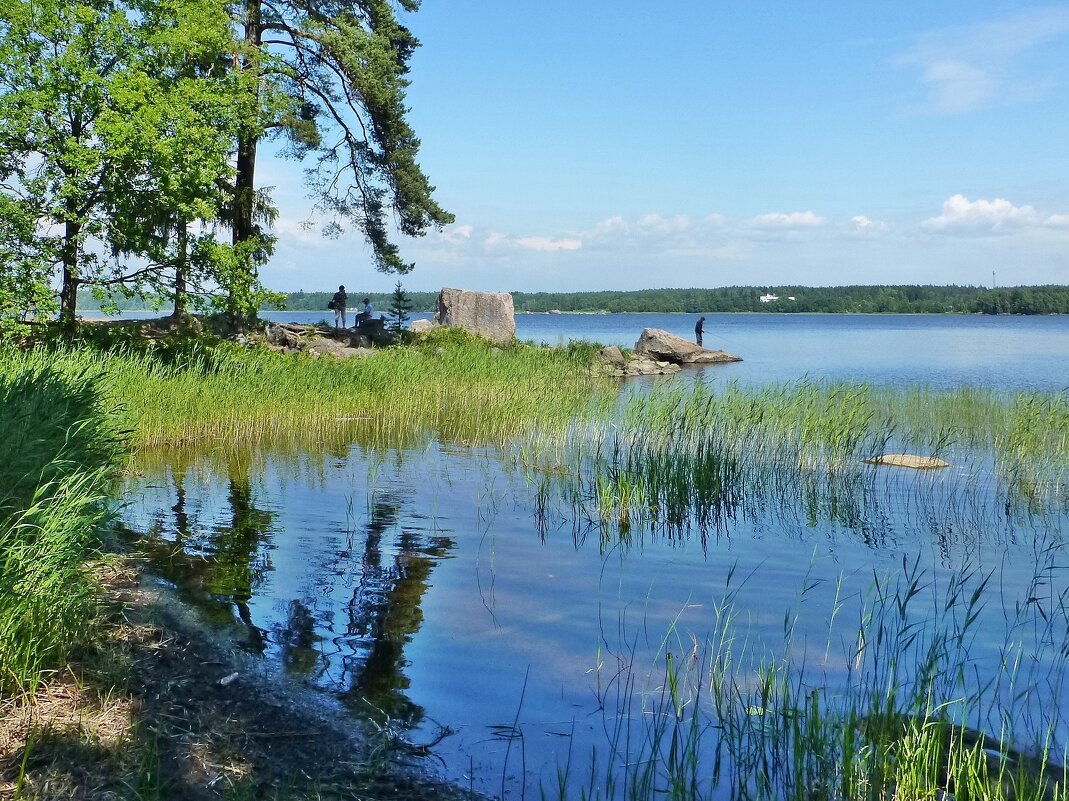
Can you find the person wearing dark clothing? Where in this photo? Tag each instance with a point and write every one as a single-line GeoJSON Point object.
{"type": "Point", "coordinates": [339, 300]}
{"type": "Point", "coordinates": [699, 329]}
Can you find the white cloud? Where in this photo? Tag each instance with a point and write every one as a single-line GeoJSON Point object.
{"type": "Point", "coordinates": [956, 87]}
{"type": "Point", "coordinates": [456, 233]}
{"type": "Point", "coordinates": [547, 244]}
{"type": "Point", "coordinates": [780, 221]}
{"type": "Point", "coordinates": [961, 215]}
{"type": "Point", "coordinates": [967, 68]}
{"type": "Point", "coordinates": [611, 226]}
{"type": "Point", "coordinates": [659, 225]}
{"type": "Point", "coordinates": [860, 224]}
{"type": "Point", "coordinates": [468, 239]}
{"type": "Point", "coordinates": [301, 232]}
{"type": "Point", "coordinates": [1057, 221]}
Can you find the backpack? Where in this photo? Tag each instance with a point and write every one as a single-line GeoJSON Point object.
{"type": "Point", "coordinates": [332, 305]}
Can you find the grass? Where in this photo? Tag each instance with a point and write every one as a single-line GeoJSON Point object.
{"type": "Point", "coordinates": [676, 460]}
{"type": "Point", "coordinates": [61, 455]}
{"type": "Point", "coordinates": [462, 389]}
{"type": "Point", "coordinates": [898, 714]}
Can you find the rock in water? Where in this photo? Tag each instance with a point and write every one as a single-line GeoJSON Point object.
{"type": "Point", "coordinates": [908, 460]}
{"type": "Point", "coordinates": [659, 345]}
{"type": "Point", "coordinates": [490, 314]}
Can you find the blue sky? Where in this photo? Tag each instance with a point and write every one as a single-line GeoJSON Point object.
{"type": "Point", "coordinates": [595, 145]}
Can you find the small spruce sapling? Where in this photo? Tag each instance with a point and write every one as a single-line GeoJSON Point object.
{"type": "Point", "coordinates": [400, 306]}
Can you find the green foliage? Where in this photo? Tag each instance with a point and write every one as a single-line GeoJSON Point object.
{"type": "Point", "coordinates": [116, 123]}
{"type": "Point", "coordinates": [400, 306]}
{"type": "Point", "coordinates": [60, 457]}
{"type": "Point", "coordinates": [334, 83]}
{"type": "Point", "coordinates": [833, 300]}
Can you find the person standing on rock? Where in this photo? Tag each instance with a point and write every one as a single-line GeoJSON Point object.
{"type": "Point", "coordinates": [338, 304]}
{"type": "Point", "coordinates": [699, 329]}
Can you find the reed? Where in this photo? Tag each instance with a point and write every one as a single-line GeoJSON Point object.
{"type": "Point", "coordinates": [61, 455]}
{"type": "Point", "coordinates": [674, 460]}
{"type": "Point", "coordinates": [730, 716]}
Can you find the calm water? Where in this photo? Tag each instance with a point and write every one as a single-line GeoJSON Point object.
{"type": "Point", "coordinates": [1029, 353]}
{"type": "Point", "coordinates": [437, 587]}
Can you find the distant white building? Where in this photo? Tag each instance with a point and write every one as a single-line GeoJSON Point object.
{"type": "Point", "coordinates": [769, 298]}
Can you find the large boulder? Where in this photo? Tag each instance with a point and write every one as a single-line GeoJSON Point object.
{"type": "Point", "coordinates": [661, 346]}
{"type": "Point", "coordinates": [490, 314]}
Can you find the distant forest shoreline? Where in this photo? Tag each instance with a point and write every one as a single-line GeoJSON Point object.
{"type": "Point", "coordinates": [1029, 300]}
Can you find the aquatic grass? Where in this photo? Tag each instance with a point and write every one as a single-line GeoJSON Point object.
{"type": "Point", "coordinates": [897, 714]}
{"type": "Point", "coordinates": [695, 458]}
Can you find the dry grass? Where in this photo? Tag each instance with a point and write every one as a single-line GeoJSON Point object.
{"type": "Point", "coordinates": [143, 716]}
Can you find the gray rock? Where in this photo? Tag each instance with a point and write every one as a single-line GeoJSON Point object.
{"type": "Point", "coordinates": [659, 345]}
{"type": "Point", "coordinates": [336, 348]}
{"type": "Point", "coordinates": [490, 314]}
{"type": "Point", "coordinates": [613, 356]}
{"type": "Point", "coordinates": [422, 326]}
{"type": "Point", "coordinates": [641, 365]}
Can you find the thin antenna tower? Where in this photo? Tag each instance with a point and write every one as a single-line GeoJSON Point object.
{"type": "Point", "coordinates": [992, 279]}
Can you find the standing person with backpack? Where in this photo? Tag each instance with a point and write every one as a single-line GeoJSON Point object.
{"type": "Point", "coordinates": [338, 304]}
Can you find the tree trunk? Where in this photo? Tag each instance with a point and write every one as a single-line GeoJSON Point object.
{"type": "Point", "coordinates": [245, 183]}
{"type": "Point", "coordinates": [68, 296]}
{"type": "Point", "coordinates": [180, 271]}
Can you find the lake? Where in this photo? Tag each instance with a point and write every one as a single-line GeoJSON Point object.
{"type": "Point", "coordinates": [449, 588]}
{"type": "Point", "coordinates": [941, 350]}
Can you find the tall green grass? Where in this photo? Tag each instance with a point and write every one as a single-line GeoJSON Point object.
{"type": "Point", "coordinates": [462, 389]}
{"type": "Point", "coordinates": [60, 453]}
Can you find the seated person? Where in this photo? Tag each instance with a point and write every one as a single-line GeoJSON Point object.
{"type": "Point", "coordinates": [365, 316]}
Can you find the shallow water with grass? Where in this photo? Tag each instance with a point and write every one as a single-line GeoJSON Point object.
{"type": "Point", "coordinates": [705, 593]}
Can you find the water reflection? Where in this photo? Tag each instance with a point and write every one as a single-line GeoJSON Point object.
{"type": "Point", "coordinates": [385, 611]}
{"type": "Point", "coordinates": [365, 574]}
{"type": "Point", "coordinates": [347, 629]}
{"type": "Point", "coordinates": [219, 566]}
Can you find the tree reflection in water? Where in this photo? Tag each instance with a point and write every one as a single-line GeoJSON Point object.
{"type": "Point", "coordinates": [220, 566]}
{"type": "Point", "coordinates": [385, 611]}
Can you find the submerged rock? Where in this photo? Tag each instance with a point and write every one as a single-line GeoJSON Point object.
{"type": "Point", "coordinates": [660, 345]}
{"type": "Point", "coordinates": [908, 460]}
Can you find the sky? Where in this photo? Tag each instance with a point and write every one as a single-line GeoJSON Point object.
{"type": "Point", "coordinates": [620, 145]}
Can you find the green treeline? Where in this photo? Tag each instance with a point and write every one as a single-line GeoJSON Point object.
{"type": "Point", "coordinates": [833, 300]}
{"type": "Point", "coordinates": [1049, 299]}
